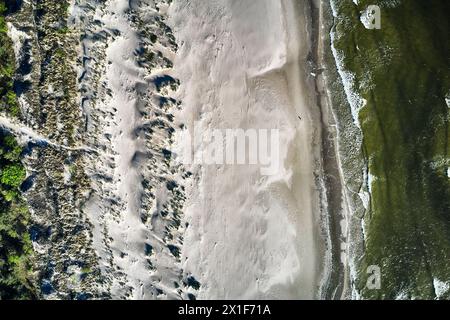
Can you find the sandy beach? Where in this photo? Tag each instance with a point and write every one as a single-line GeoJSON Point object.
{"type": "Point", "coordinates": [243, 64]}
{"type": "Point", "coordinates": [156, 227]}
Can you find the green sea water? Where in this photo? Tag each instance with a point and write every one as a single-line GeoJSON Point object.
{"type": "Point", "coordinates": [402, 71]}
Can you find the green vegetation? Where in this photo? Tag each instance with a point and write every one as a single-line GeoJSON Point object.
{"type": "Point", "coordinates": [58, 45]}
{"type": "Point", "coordinates": [402, 70]}
{"type": "Point", "coordinates": [13, 175]}
{"type": "Point", "coordinates": [8, 101]}
{"type": "Point", "coordinates": [15, 245]}
{"type": "Point", "coordinates": [64, 30]}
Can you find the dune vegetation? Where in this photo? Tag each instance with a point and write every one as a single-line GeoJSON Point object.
{"type": "Point", "coordinates": [15, 244]}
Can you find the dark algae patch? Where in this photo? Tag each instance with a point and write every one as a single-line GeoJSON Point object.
{"type": "Point", "coordinates": [403, 71]}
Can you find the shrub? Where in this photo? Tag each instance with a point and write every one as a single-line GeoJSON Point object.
{"type": "Point", "coordinates": [13, 175]}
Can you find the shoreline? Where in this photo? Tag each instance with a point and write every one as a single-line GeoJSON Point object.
{"type": "Point", "coordinates": [302, 74]}
{"type": "Point", "coordinates": [335, 282]}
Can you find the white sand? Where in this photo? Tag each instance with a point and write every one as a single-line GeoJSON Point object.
{"type": "Point", "coordinates": [113, 112]}
{"type": "Point", "coordinates": [241, 66]}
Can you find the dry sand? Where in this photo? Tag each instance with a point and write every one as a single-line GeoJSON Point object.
{"type": "Point", "coordinates": [242, 64]}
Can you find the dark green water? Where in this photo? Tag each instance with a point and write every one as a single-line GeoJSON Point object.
{"type": "Point", "coordinates": [403, 71]}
